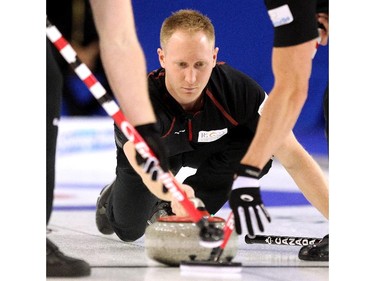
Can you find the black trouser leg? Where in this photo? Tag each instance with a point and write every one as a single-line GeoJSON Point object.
{"type": "Point", "coordinates": [130, 203]}
{"type": "Point", "coordinates": [54, 94]}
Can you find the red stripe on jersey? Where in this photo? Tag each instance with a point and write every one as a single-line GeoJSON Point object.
{"type": "Point", "coordinates": [190, 126]}
{"type": "Point", "coordinates": [221, 108]}
{"type": "Point", "coordinates": [171, 128]}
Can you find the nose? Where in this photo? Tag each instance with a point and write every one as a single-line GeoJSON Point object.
{"type": "Point", "coordinates": [190, 76]}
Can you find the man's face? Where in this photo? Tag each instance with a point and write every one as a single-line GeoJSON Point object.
{"type": "Point", "coordinates": [188, 59]}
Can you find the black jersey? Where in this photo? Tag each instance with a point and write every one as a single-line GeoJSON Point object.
{"type": "Point", "coordinates": [212, 140]}
{"type": "Point", "coordinates": [231, 100]}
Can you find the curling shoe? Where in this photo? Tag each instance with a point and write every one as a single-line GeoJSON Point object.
{"type": "Point", "coordinates": [102, 222]}
{"type": "Point", "coordinates": [316, 252]}
{"type": "Point", "coordinates": [60, 265]}
{"type": "Point", "coordinates": [161, 209]}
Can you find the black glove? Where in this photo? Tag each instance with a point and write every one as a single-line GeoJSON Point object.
{"type": "Point", "coordinates": [247, 198]}
{"type": "Point", "coordinates": [152, 137]}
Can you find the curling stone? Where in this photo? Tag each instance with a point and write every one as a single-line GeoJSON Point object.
{"type": "Point", "coordinates": [173, 239]}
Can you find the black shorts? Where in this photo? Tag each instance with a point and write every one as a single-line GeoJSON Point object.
{"type": "Point", "coordinates": [294, 21]}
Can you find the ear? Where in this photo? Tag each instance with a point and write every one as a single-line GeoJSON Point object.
{"type": "Point", "coordinates": [161, 57]}
{"type": "Point", "coordinates": [215, 52]}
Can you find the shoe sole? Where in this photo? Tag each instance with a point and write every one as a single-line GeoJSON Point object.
{"type": "Point", "coordinates": [103, 227]}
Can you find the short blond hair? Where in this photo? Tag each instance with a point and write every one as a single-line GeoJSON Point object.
{"type": "Point", "coordinates": [186, 20]}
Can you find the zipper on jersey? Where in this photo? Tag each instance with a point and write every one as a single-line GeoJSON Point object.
{"type": "Point", "coordinates": [190, 129]}
{"type": "Point", "coordinates": [189, 117]}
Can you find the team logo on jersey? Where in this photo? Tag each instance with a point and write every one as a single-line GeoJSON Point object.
{"type": "Point", "coordinates": [280, 15]}
{"type": "Point", "coordinates": [210, 136]}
